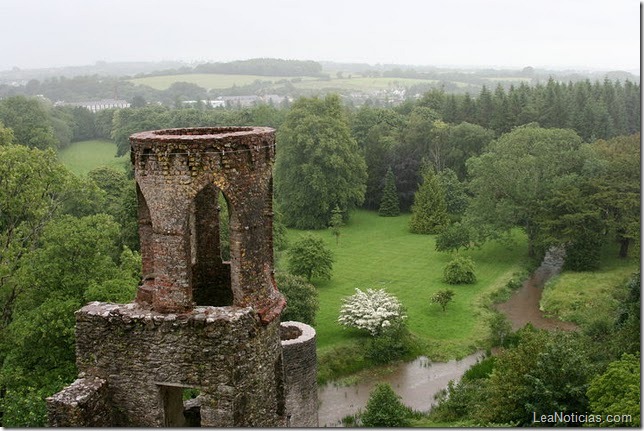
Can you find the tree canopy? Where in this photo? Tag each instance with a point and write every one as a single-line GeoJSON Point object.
{"type": "Point", "coordinates": [318, 164]}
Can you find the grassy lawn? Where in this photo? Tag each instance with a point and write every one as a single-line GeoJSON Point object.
{"type": "Point", "coordinates": [379, 252]}
{"type": "Point", "coordinates": [82, 157]}
{"type": "Point", "coordinates": [583, 297]}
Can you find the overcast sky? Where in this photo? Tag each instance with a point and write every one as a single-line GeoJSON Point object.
{"type": "Point", "coordinates": [582, 34]}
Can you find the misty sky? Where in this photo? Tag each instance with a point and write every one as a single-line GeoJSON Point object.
{"type": "Point", "coordinates": [582, 34]}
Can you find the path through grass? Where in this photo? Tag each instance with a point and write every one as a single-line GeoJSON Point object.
{"type": "Point", "coordinates": [379, 252]}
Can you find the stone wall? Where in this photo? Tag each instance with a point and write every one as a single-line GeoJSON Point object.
{"type": "Point", "coordinates": [225, 353]}
{"type": "Point", "coordinates": [300, 370]}
{"type": "Point", "coordinates": [84, 403]}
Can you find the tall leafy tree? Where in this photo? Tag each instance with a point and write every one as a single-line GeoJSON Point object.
{"type": "Point", "coordinates": [318, 164]}
{"type": "Point", "coordinates": [618, 187]}
{"type": "Point", "coordinates": [30, 122]}
{"type": "Point", "coordinates": [429, 212]}
{"type": "Point", "coordinates": [516, 174]}
{"type": "Point", "coordinates": [389, 204]}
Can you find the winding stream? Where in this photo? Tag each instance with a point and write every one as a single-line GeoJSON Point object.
{"type": "Point", "coordinates": [418, 381]}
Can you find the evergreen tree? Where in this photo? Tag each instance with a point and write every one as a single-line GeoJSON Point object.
{"type": "Point", "coordinates": [429, 212]}
{"type": "Point", "coordinates": [390, 203]}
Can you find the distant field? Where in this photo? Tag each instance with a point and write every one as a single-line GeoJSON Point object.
{"type": "Point", "coordinates": [219, 81]}
{"type": "Point", "coordinates": [82, 157]}
{"type": "Point", "coordinates": [379, 252]}
{"type": "Point", "coordinates": [207, 80]}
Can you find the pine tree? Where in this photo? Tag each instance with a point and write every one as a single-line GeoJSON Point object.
{"type": "Point", "coordinates": [390, 203]}
{"type": "Point", "coordinates": [429, 212]}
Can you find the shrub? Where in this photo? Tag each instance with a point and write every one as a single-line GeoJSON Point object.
{"type": "Point", "coordinates": [301, 298]}
{"type": "Point", "coordinates": [392, 344]}
{"type": "Point", "coordinates": [373, 311]}
{"type": "Point", "coordinates": [384, 409]}
{"type": "Point", "coordinates": [442, 297]}
{"type": "Point", "coordinates": [459, 271]}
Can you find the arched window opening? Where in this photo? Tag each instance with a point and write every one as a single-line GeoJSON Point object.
{"type": "Point", "coordinates": [209, 248]}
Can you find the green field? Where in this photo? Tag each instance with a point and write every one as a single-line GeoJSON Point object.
{"type": "Point", "coordinates": [82, 157]}
{"type": "Point", "coordinates": [208, 81]}
{"type": "Point", "coordinates": [221, 81]}
{"type": "Point", "coordinates": [379, 252]}
{"type": "Point", "coordinates": [586, 296]}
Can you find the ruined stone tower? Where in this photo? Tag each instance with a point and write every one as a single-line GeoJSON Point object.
{"type": "Point", "coordinates": [205, 319]}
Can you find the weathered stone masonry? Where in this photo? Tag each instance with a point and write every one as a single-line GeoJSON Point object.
{"type": "Point", "coordinates": [198, 322]}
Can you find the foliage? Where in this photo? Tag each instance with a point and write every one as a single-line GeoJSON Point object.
{"type": "Point", "coordinates": [301, 298]}
{"type": "Point", "coordinates": [393, 343]}
{"type": "Point", "coordinates": [544, 373]}
{"type": "Point", "coordinates": [30, 121]}
{"type": "Point", "coordinates": [280, 239]}
{"type": "Point", "coordinates": [505, 196]}
{"type": "Point", "coordinates": [453, 237]}
{"type": "Point", "coordinates": [33, 189]}
{"type": "Point", "coordinates": [500, 328]}
{"type": "Point", "coordinates": [389, 204]}
{"type": "Point", "coordinates": [460, 270]}
{"type": "Point", "coordinates": [618, 187]}
{"type": "Point", "coordinates": [442, 298]}
{"type": "Point", "coordinates": [456, 199]}
{"type": "Point", "coordinates": [372, 310]}
{"type": "Point", "coordinates": [617, 391]}
{"type": "Point", "coordinates": [384, 409]}
{"type": "Point", "coordinates": [336, 223]}
{"type": "Point", "coordinates": [429, 212]}
{"type": "Point", "coordinates": [318, 165]}
{"type": "Point", "coordinates": [309, 257]}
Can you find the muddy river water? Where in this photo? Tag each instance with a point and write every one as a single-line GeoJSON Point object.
{"type": "Point", "coordinates": [417, 382]}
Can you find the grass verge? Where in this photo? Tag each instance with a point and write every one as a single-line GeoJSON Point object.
{"type": "Point", "coordinates": [586, 296]}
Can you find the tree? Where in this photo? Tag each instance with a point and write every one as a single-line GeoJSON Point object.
{"type": "Point", "coordinates": [301, 298]}
{"type": "Point", "coordinates": [619, 187]}
{"type": "Point", "coordinates": [29, 120]}
{"type": "Point", "coordinates": [429, 212]}
{"type": "Point", "coordinates": [545, 372]}
{"type": "Point", "coordinates": [336, 223]}
{"type": "Point", "coordinates": [389, 204]}
{"type": "Point", "coordinates": [454, 237]}
{"type": "Point", "coordinates": [442, 298]}
{"type": "Point", "coordinates": [617, 391]}
{"type": "Point", "coordinates": [516, 174]}
{"type": "Point", "coordinates": [372, 310]}
{"type": "Point", "coordinates": [465, 140]}
{"type": "Point", "coordinates": [456, 199]}
{"type": "Point", "coordinates": [309, 257]}
{"type": "Point", "coordinates": [33, 188]}
{"type": "Point", "coordinates": [319, 165]}
{"type": "Point", "coordinates": [384, 409]}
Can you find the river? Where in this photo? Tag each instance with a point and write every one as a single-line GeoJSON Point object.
{"type": "Point", "coordinates": [418, 381]}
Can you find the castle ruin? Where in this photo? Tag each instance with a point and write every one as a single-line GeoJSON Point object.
{"type": "Point", "coordinates": [206, 320]}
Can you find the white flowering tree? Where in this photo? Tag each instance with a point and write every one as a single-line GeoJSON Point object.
{"type": "Point", "coordinates": [373, 310]}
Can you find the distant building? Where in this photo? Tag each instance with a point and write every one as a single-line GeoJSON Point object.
{"type": "Point", "coordinates": [98, 105]}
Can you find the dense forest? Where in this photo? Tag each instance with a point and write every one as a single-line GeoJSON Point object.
{"type": "Point", "coordinates": [559, 161]}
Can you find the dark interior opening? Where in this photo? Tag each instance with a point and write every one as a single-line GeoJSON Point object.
{"type": "Point", "coordinates": [210, 249]}
{"type": "Point", "coordinates": [181, 406]}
